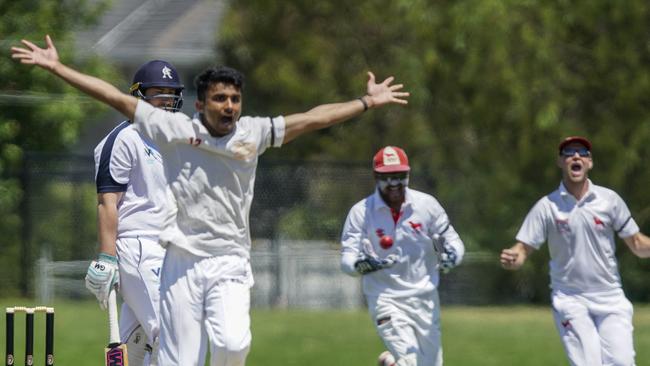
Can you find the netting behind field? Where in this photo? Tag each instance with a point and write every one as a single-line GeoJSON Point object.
{"type": "Point", "coordinates": [290, 274]}
{"type": "Point", "coordinates": [296, 220]}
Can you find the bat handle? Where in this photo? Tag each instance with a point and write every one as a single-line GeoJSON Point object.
{"type": "Point", "coordinates": [113, 325]}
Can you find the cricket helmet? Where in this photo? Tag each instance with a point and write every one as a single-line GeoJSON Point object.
{"type": "Point", "coordinates": [161, 74]}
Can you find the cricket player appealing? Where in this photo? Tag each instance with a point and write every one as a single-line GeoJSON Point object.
{"type": "Point", "coordinates": [210, 163]}
{"type": "Point", "coordinates": [399, 239]}
{"type": "Point", "coordinates": [131, 198]}
{"type": "Point", "coordinates": [579, 221]}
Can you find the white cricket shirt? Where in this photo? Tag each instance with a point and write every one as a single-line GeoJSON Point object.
{"type": "Point", "coordinates": [580, 236]}
{"type": "Point", "coordinates": [416, 271]}
{"type": "Point", "coordinates": [128, 162]}
{"type": "Point", "coordinates": [210, 179]}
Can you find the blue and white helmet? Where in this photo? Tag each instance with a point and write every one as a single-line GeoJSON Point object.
{"type": "Point", "coordinates": [161, 74]}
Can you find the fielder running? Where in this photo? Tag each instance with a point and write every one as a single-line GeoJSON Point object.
{"type": "Point", "coordinates": [210, 164]}
{"type": "Point", "coordinates": [579, 221]}
{"type": "Point", "coordinates": [131, 197]}
{"type": "Point", "coordinates": [399, 239]}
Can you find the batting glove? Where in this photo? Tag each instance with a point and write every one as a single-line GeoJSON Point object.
{"type": "Point", "coordinates": [101, 276]}
{"type": "Point", "coordinates": [448, 258]}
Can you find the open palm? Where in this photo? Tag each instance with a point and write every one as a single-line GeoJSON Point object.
{"type": "Point", "coordinates": [31, 54]}
{"type": "Point", "coordinates": [384, 92]}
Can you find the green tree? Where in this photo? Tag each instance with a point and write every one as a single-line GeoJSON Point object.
{"type": "Point", "coordinates": [39, 113]}
{"type": "Point", "coordinates": [495, 86]}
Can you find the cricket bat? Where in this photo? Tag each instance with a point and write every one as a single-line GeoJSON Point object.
{"type": "Point", "coordinates": [115, 352]}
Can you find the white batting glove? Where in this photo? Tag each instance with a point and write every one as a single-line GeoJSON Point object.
{"type": "Point", "coordinates": [101, 276]}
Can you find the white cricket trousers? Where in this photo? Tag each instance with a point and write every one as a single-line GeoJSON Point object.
{"type": "Point", "coordinates": [204, 299]}
{"type": "Point", "coordinates": [140, 261]}
{"type": "Point", "coordinates": [595, 328]}
{"type": "Point", "coordinates": [409, 328]}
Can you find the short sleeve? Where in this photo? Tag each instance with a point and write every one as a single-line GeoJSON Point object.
{"type": "Point", "coordinates": [622, 221]}
{"type": "Point", "coordinates": [159, 125]}
{"type": "Point", "coordinates": [533, 231]}
{"type": "Point", "coordinates": [272, 131]}
{"type": "Point", "coordinates": [114, 161]}
{"type": "Point", "coordinates": [122, 160]}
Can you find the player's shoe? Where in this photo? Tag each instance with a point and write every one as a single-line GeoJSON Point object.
{"type": "Point", "coordinates": [386, 359]}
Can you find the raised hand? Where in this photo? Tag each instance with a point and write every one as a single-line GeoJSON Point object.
{"type": "Point", "coordinates": [31, 54]}
{"type": "Point", "coordinates": [384, 92]}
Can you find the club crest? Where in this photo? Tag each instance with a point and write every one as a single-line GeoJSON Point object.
{"type": "Point", "coordinates": [167, 73]}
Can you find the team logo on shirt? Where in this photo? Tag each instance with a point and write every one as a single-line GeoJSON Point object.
{"type": "Point", "coordinates": [380, 232]}
{"type": "Point", "coordinates": [563, 226]}
{"type": "Point", "coordinates": [566, 324]}
{"type": "Point", "coordinates": [152, 155]}
{"type": "Point", "coordinates": [416, 226]}
{"type": "Point", "coordinates": [600, 225]}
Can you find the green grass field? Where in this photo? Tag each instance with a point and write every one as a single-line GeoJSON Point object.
{"type": "Point", "coordinates": [471, 336]}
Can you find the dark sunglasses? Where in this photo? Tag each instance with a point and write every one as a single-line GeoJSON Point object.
{"type": "Point", "coordinates": [570, 151]}
{"type": "Point", "coordinates": [390, 176]}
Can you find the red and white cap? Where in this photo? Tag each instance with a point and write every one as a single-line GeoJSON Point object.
{"type": "Point", "coordinates": [391, 159]}
{"type": "Point", "coordinates": [579, 139]}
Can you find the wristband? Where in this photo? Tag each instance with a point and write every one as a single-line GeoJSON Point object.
{"type": "Point", "coordinates": [365, 105]}
{"type": "Point", "coordinates": [107, 258]}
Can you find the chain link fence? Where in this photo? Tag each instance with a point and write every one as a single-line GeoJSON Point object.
{"type": "Point", "coordinates": [296, 219]}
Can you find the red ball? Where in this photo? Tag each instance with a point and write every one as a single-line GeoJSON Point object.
{"type": "Point", "coordinates": [386, 241]}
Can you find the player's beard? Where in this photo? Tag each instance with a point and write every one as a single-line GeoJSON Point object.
{"type": "Point", "coordinates": [392, 195]}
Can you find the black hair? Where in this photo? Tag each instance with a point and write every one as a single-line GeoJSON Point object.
{"type": "Point", "coordinates": [217, 74]}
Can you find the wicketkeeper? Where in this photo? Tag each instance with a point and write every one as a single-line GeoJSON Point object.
{"type": "Point", "coordinates": [400, 239]}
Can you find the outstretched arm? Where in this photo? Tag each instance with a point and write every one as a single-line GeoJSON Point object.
{"type": "Point", "coordinates": [48, 59]}
{"type": "Point", "coordinates": [639, 244]}
{"type": "Point", "coordinates": [514, 257]}
{"type": "Point", "coordinates": [327, 115]}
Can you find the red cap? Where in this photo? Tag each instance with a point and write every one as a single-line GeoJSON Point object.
{"type": "Point", "coordinates": [578, 139]}
{"type": "Point", "coordinates": [391, 159]}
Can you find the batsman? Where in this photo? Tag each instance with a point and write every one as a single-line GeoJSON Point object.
{"type": "Point", "coordinates": [399, 240]}
{"type": "Point", "coordinates": [131, 196]}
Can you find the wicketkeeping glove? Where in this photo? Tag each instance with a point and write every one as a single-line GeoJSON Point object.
{"type": "Point", "coordinates": [368, 265]}
{"type": "Point", "coordinates": [101, 276]}
{"type": "Point", "coordinates": [448, 258]}
{"type": "Point", "coordinates": [370, 261]}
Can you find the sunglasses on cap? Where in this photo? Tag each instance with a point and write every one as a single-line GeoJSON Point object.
{"type": "Point", "coordinates": [570, 151]}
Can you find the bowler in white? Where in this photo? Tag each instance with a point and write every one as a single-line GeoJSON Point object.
{"type": "Point", "coordinates": [210, 164]}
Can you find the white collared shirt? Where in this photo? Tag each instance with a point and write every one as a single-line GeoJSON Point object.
{"type": "Point", "coordinates": [416, 271]}
{"type": "Point", "coordinates": [580, 235]}
{"type": "Point", "coordinates": [210, 180]}
{"type": "Point", "coordinates": [127, 162]}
